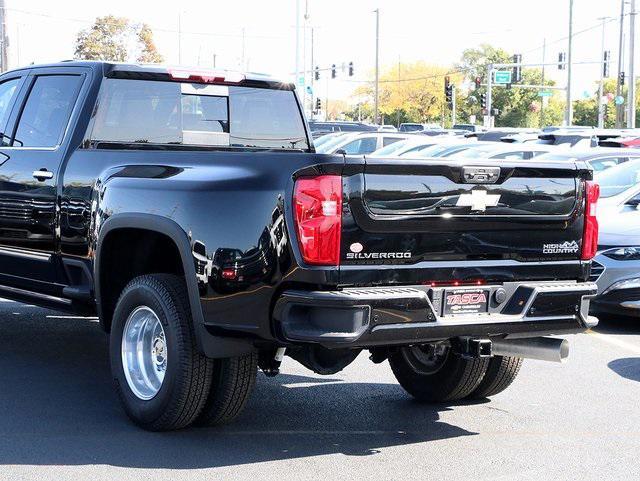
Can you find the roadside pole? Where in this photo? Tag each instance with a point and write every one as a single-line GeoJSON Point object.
{"type": "Point", "coordinates": [375, 117]}
{"type": "Point", "coordinates": [453, 105]}
{"type": "Point", "coordinates": [489, 117]}
{"type": "Point", "coordinates": [544, 60]}
{"type": "Point", "coordinates": [601, 87]}
{"type": "Point", "coordinates": [619, 108]}
{"type": "Point", "coordinates": [569, 111]}
{"type": "Point", "coordinates": [631, 119]}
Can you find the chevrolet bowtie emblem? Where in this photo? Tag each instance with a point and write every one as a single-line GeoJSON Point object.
{"type": "Point", "coordinates": [478, 200]}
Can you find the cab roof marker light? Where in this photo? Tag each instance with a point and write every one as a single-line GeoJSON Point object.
{"type": "Point", "coordinates": [206, 76]}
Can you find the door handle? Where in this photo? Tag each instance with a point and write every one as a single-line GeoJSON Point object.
{"type": "Point", "coordinates": [42, 174]}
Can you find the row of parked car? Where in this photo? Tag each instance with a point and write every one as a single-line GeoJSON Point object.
{"type": "Point", "coordinates": [616, 165]}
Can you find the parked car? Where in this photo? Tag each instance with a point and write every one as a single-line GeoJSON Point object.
{"type": "Point", "coordinates": [387, 128]}
{"type": "Point", "coordinates": [411, 127]}
{"type": "Point", "coordinates": [330, 137]}
{"type": "Point", "coordinates": [497, 134]}
{"type": "Point", "coordinates": [445, 149]}
{"type": "Point", "coordinates": [361, 143]}
{"type": "Point", "coordinates": [341, 126]}
{"type": "Point", "coordinates": [599, 158]}
{"type": "Point", "coordinates": [188, 211]}
{"type": "Point", "coordinates": [616, 267]}
{"type": "Point", "coordinates": [469, 127]}
{"type": "Point", "coordinates": [570, 138]}
{"type": "Point", "coordinates": [504, 151]}
{"type": "Point", "coordinates": [411, 144]}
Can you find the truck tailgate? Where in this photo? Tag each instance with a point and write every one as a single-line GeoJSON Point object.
{"type": "Point", "coordinates": [404, 213]}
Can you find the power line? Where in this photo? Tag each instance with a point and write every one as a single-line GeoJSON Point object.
{"type": "Point", "coordinates": [155, 29]}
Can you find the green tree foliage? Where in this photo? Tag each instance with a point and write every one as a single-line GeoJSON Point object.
{"type": "Point", "coordinates": [110, 38]}
{"type": "Point", "coordinates": [149, 53]}
{"type": "Point", "coordinates": [517, 107]}
{"type": "Point", "coordinates": [410, 92]}
{"type": "Point", "coordinates": [106, 39]}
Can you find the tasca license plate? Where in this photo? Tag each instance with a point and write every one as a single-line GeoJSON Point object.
{"type": "Point", "coordinates": [465, 301]}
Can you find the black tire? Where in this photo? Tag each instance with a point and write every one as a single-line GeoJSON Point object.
{"type": "Point", "coordinates": [501, 372]}
{"type": "Point", "coordinates": [183, 391]}
{"type": "Point", "coordinates": [452, 379]}
{"type": "Point", "coordinates": [231, 386]}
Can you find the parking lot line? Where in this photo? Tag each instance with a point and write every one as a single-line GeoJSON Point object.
{"type": "Point", "coordinates": [615, 342]}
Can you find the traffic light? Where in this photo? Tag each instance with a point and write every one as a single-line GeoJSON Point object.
{"type": "Point", "coordinates": [621, 78]}
{"type": "Point", "coordinates": [562, 58]}
{"type": "Point", "coordinates": [448, 90]}
{"type": "Point", "coordinates": [316, 74]}
{"type": "Point", "coordinates": [318, 105]}
{"type": "Point", "coordinates": [517, 70]}
{"type": "Point", "coordinates": [478, 82]}
{"type": "Point", "coordinates": [350, 69]}
{"type": "Point", "coordinates": [605, 63]}
{"type": "Point", "coordinates": [333, 70]}
{"type": "Point", "coordinates": [483, 101]}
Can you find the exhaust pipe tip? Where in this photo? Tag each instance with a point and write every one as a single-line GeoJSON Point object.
{"type": "Point", "coordinates": [540, 348]}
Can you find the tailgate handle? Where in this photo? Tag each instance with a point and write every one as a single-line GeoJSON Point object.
{"type": "Point", "coordinates": [480, 175]}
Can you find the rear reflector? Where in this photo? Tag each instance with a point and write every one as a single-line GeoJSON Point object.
{"type": "Point", "coordinates": [590, 237]}
{"type": "Point", "coordinates": [318, 217]}
{"type": "Point", "coordinates": [206, 76]}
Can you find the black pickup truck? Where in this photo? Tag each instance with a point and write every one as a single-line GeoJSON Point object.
{"type": "Point", "coordinates": [189, 211]}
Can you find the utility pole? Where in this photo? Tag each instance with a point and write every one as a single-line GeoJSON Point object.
{"type": "Point", "coordinates": [619, 108]}
{"type": "Point", "coordinates": [601, 86]}
{"type": "Point", "coordinates": [631, 119]}
{"type": "Point", "coordinates": [544, 60]}
{"type": "Point", "coordinates": [377, 12]}
{"type": "Point", "coordinates": [243, 67]}
{"type": "Point", "coordinates": [180, 38]}
{"type": "Point", "coordinates": [489, 123]}
{"type": "Point", "coordinates": [297, 41]}
{"type": "Point", "coordinates": [3, 38]}
{"type": "Point", "coordinates": [453, 105]}
{"type": "Point", "coordinates": [569, 111]}
{"type": "Point", "coordinates": [398, 116]}
{"type": "Point", "coordinates": [214, 60]}
{"type": "Point", "coordinates": [312, 76]}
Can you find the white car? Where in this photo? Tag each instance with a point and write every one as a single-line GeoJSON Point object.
{"type": "Point", "coordinates": [362, 143]}
{"type": "Point", "coordinates": [413, 144]}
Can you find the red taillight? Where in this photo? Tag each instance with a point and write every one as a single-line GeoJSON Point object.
{"type": "Point", "coordinates": [206, 76]}
{"type": "Point", "coordinates": [229, 274]}
{"type": "Point", "coordinates": [318, 216]}
{"type": "Point", "coordinates": [590, 237]}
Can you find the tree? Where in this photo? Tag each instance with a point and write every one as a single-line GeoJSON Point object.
{"type": "Point", "coordinates": [105, 40]}
{"type": "Point", "coordinates": [517, 107]}
{"type": "Point", "coordinates": [115, 39]}
{"type": "Point", "coordinates": [411, 92]}
{"type": "Point", "coordinates": [149, 52]}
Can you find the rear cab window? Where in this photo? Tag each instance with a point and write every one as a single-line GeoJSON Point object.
{"type": "Point", "coordinates": [46, 113]}
{"type": "Point", "coordinates": [189, 114]}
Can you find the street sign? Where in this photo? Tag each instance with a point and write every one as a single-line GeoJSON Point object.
{"type": "Point", "coordinates": [545, 93]}
{"type": "Point", "coordinates": [301, 81]}
{"type": "Point", "coordinates": [502, 77]}
{"type": "Point", "coordinates": [619, 100]}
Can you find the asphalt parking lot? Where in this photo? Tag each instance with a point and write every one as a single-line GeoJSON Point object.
{"type": "Point", "coordinates": [60, 418]}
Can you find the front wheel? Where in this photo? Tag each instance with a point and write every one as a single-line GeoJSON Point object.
{"type": "Point", "coordinates": [161, 377]}
{"type": "Point", "coordinates": [434, 373]}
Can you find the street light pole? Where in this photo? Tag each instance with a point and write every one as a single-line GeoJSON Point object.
{"type": "Point", "coordinates": [619, 108]}
{"type": "Point", "coordinates": [601, 87]}
{"type": "Point", "coordinates": [631, 119]}
{"type": "Point", "coordinates": [569, 111]}
{"type": "Point", "coordinates": [376, 117]}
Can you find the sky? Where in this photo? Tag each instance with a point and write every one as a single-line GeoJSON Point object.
{"type": "Point", "coordinates": [259, 35]}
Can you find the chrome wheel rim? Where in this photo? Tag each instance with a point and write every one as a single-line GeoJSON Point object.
{"type": "Point", "coordinates": [144, 353]}
{"type": "Point", "coordinates": [426, 359]}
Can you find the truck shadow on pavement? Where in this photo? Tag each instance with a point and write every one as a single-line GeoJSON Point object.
{"type": "Point", "coordinates": [627, 367]}
{"type": "Point", "coordinates": [59, 407]}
